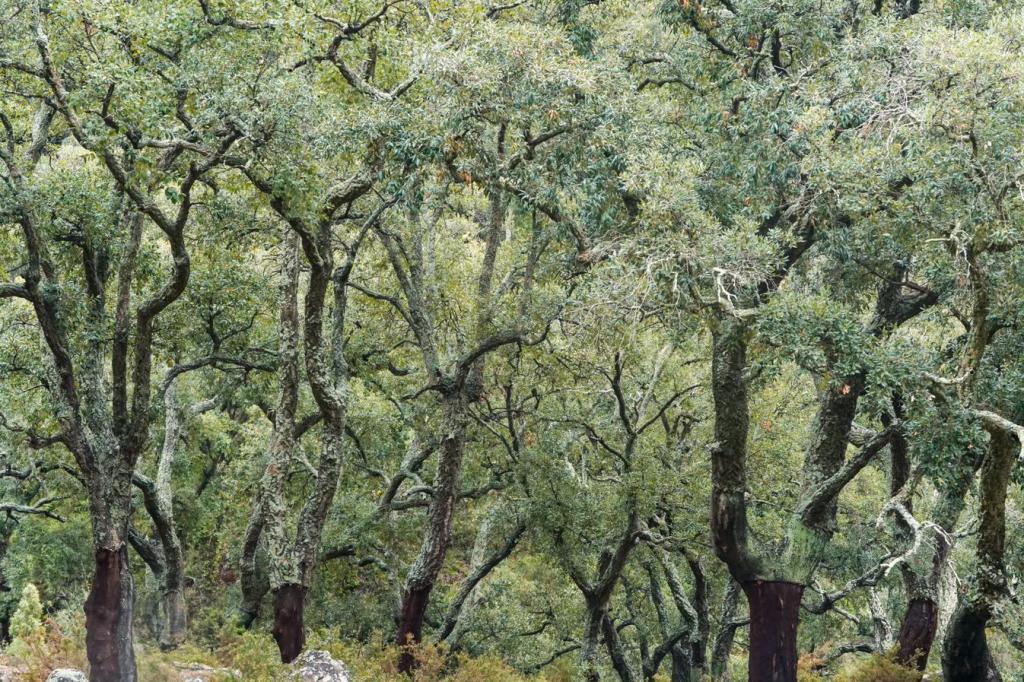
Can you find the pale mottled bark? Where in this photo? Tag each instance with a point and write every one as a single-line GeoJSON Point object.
{"type": "Point", "coordinates": [293, 561]}
{"type": "Point", "coordinates": [270, 506]}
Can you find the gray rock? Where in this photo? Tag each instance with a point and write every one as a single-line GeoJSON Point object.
{"type": "Point", "coordinates": [67, 675]}
{"type": "Point", "coordinates": [319, 666]}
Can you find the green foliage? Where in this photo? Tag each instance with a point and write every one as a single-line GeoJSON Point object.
{"type": "Point", "coordinates": [663, 169]}
{"type": "Point", "coordinates": [877, 668]}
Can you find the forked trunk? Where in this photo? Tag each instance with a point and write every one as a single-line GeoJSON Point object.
{"type": "Point", "coordinates": [108, 619]}
{"type": "Point", "coordinates": [774, 619]}
{"type": "Point", "coordinates": [410, 625]}
{"type": "Point", "coordinates": [289, 632]}
{"type": "Point", "coordinates": [917, 633]}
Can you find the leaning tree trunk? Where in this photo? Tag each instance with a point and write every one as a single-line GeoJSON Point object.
{"type": "Point", "coordinates": [620, 664]}
{"type": "Point", "coordinates": [158, 498]}
{"type": "Point", "coordinates": [423, 574]}
{"type": "Point", "coordinates": [966, 656]}
{"type": "Point", "coordinates": [253, 581]}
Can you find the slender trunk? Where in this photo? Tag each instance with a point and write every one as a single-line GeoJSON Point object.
{"type": "Point", "coordinates": [699, 646]}
{"type": "Point", "coordinates": [289, 631]}
{"type": "Point", "coordinates": [726, 632]}
{"type": "Point", "coordinates": [269, 517]}
{"type": "Point", "coordinates": [774, 619]}
{"type": "Point", "coordinates": [174, 614]}
{"type": "Point", "coordinates": [423, 574]}
{"type": "Point", "coordinates": [480, 566]}
{"type": "Point", "coordinates": [6, 529]}
{"type": "Point", "coordinates": [254, 584]}
{"type": "Point", "coordinates": [682, 668]}
{"type": "Point", "coordinates": [108, 618]}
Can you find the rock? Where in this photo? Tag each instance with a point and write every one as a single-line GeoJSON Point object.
{"type": "Point", "coordinates": [319, 666]}
{"type": "Point", "coordinates": [67, 675]}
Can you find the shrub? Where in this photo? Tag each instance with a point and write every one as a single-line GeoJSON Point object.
{"type": "Point", "coordinates": [28, 645]}
{"type": "Point", "coordinates": [28, 618]}
{"type": "Point", "coordinates": [877, 668]}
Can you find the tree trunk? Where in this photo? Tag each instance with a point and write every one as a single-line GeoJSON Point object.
{"type": "Point", "coordinates": [682, 668]}
{"type": "Point", "coordinates": [917, 633]}
{"type": "Point", "coordinates": [480, 566]}
{"type": "Point", "coordinates": [108, 618]}
{"type": "Point", "coordinates": [289, 632]}
{"type": "Point", "coordinates": [410, 623]}
{"type": "Point", "coordinates": [923, 590]}
{"type": "Point", "coordinates": [425, 570]}
{"type": "Point", "coordinates": [614, 645]}
{"type": "Point", "coordinates": [589, 646]}
{"type": "Point", "coordinates": [774, 619]}
{"type": "Point", "coordinates": [254, 583]}
{"type": "Point", "coordinates": [174, 615]}
{"type": "Point", "coordinates": [726, 632]}
{"type": "Point", "coordinates": [966, 656]}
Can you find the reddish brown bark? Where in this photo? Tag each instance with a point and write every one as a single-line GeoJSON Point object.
{"type": "Point", "coordinates": [108, 619]}
{"type": "Point", "coordinates": [917, 633]}
{"type": "Point", "coordinates": [410, 625]}
{"type": "Point", "coordinates": [289, 631]}
{"type": "Point", "coordinates": [774, 619]}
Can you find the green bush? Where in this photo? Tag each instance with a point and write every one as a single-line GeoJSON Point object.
{"type": "Point", "coordinates": [28, 618]}
{"type": "Point", "coordinates": [877, 668]}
